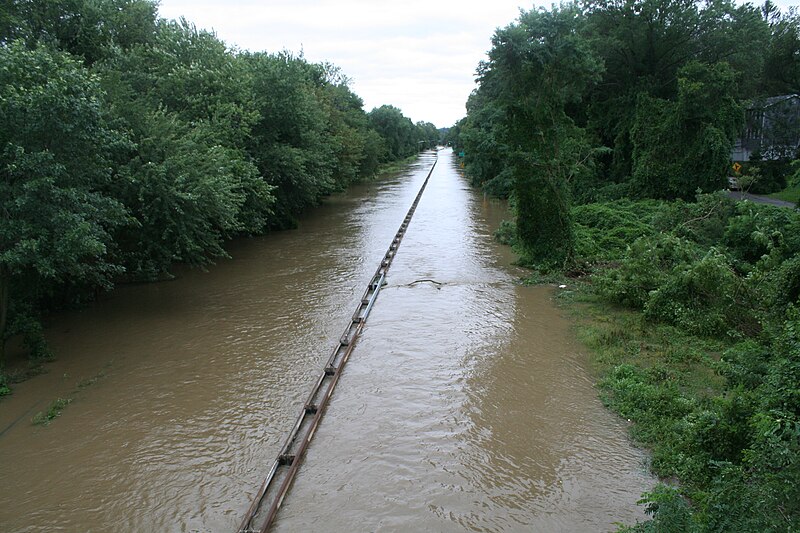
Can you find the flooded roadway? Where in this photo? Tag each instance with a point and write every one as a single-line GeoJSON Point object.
{"type": "Point", "coordinates": [466, 405]}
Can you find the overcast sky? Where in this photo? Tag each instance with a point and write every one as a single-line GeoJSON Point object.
{"type": "Point", "coordinates": [417, 55]}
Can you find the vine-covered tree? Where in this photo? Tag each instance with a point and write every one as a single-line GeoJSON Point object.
{"type": "Point", "coordinates": [618, 98]}
{"type": "Point", "coordinates": [682, 146]}
{"type": "Point", "coordinates": [538, 68]}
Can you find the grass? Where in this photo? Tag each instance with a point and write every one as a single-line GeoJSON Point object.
{"type": "Point", "coordinates": [43, 418]}
{"type": "Point", "coordinates": [82, 384]}
{"type": "Point", "coordinates": [396, 166]}
{"type": "Point", "coordinates": [617, 335]}
{"type": "Point", "coordinates": [790, 194]}
{"type": "Point", "coordinates": [651, 374]}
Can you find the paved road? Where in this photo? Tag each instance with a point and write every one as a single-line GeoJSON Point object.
{"type": "Point", "coordinates": [741, 195]}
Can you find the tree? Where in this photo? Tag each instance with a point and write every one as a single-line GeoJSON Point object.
{"type": "Point", "coordinates": [189, 182]}
{"type": "Point", "coordinates": [397, 130]}
{"type": "Point", "coordinates": [90, 29]}
{"type": "Point", "coordinates": [428, 135]}
{"type": "Point", "coordinates": [56, 159]}
{"type": "Point", "coordinates": [485, 151]}
{"type": "Point", "coordinates": [782, 56]}
{"type": "Point", "coordinates": [685, 145]}
{"type": "Point", "coordinates": [643, 44]}
{"type": "Point", "coordinates": [538, 68]}
{"type": "Point", "coordinates": [289, 140]}
{"type": "Point", "coordinates": [189, 194]}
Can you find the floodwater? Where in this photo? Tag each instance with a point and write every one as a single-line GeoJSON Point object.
{"type": "Point", "coordinates": [466, 405]}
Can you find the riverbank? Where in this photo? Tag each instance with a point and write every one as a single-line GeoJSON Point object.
{"type": "Point", "coordinates": [690, 313]}
{"type": "Point", "coordinates": [644, 371]}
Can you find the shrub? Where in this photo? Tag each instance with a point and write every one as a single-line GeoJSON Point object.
{"type": "Point", "coordinates": [603, 231]}
{"type": "Point", "coordinates": [53, 411]}
{"type": "Point", "coordinates": [702, 221]}
{"type": "Point", "coordinates": [704, 297]}
{"type": "Point", "coordinates": [506, 233]}
{"type": "Point", "coordinates": [670, 511]}
{"type": "Point", "coordinates": [646, 266]}
{"type": "Point", "coordinates": [758, 230]}
{"type": "Point", "coordinates": [5, 389]}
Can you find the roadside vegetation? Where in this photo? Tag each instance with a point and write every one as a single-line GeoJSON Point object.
{"type": "Point", "coordinates": [129, 143]}
{"type": "Point", "coordinates": [792, 192]}
{"type": "Point", "coordinates": [609, 126]}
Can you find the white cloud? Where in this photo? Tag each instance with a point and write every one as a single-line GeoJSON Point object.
{"type": "Point", "coordinates": [416, 55]}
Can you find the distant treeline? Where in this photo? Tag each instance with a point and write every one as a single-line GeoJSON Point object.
{"type": "Point", "coordinates": [130, 142]}
{"type": "Point", "coordinates": [610, 127]}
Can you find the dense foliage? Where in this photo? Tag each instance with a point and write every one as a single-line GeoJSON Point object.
{"type": "Point", "coordinates": [129, 143]}
{"type": "Point", "coordinates": [709, 367]}
{"type": "Point", "coordinates": [601, 100]}
{"type": "Point", "coordinates": [609, 125]}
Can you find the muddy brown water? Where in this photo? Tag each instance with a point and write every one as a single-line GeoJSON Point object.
{"type": "Point", "coordinates": [466, 406]}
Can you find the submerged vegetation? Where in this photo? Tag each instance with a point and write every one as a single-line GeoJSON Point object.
{"type": "Point", "coordinates": [43, 418]}
{"type": "Point", "coordinates": [610, 125]}
{"type": "Point", "coordinates": [130, 143]}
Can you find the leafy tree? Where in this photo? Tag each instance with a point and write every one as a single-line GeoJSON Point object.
{"type": "Point", "coordinates": [56, 159]}
{"type": "Point", "coordinates": [184, 70]}
{"type": "Point", "coordinates": [189, 194]}
{"type": "Point", "coordinates": [91, 29]}
{"type": "Point", "coordinates": [781, 65]}
{"type": "Point", "coordinates": [189, 181]}
{"type": "Point", "coordinates": [485, 153]}
{"type": "Point", "coordinates": [131, 143]}
{"type": "Point", "coordinates": [428, 134]}
{"type": "Point", "coordinates": [356, 146]}
{"type": "Point", "coordinates": [289, 142]}
{"type": "Point", "coordinates": [398, 132]}
{"type": "Point", "coordinates": [643, 45]}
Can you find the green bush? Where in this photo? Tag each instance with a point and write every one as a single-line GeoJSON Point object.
{"type": "Point", "coordinates": [670, 511]}
{"type": "Point", "coordinates": [758, 230]}
{"type": "Point", "coordinates": [746, 364]}
{"type": "Point", "coordinates": [704, 297]}
{"type": "Point", "coordinates": [646, 266]}
{"type": "Point", "coordinates": [5, 389]}
{"type": "Point", "coordinates": [702, 221]}
{"type": "Point", "coordinates": [603, 231]}
{"type": "Point", "coordinates": [54, 410]}
{"type": "Point", "coordinates": [506, 233]}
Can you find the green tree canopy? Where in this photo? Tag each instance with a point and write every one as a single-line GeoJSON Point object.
{"type": "Point", "coordinates": [57, 157]}
{"type": "Point", "coordinates": [682, 146]}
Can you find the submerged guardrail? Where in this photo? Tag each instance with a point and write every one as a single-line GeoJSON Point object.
{"type": "Point", "coordinates": [273, 490]}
